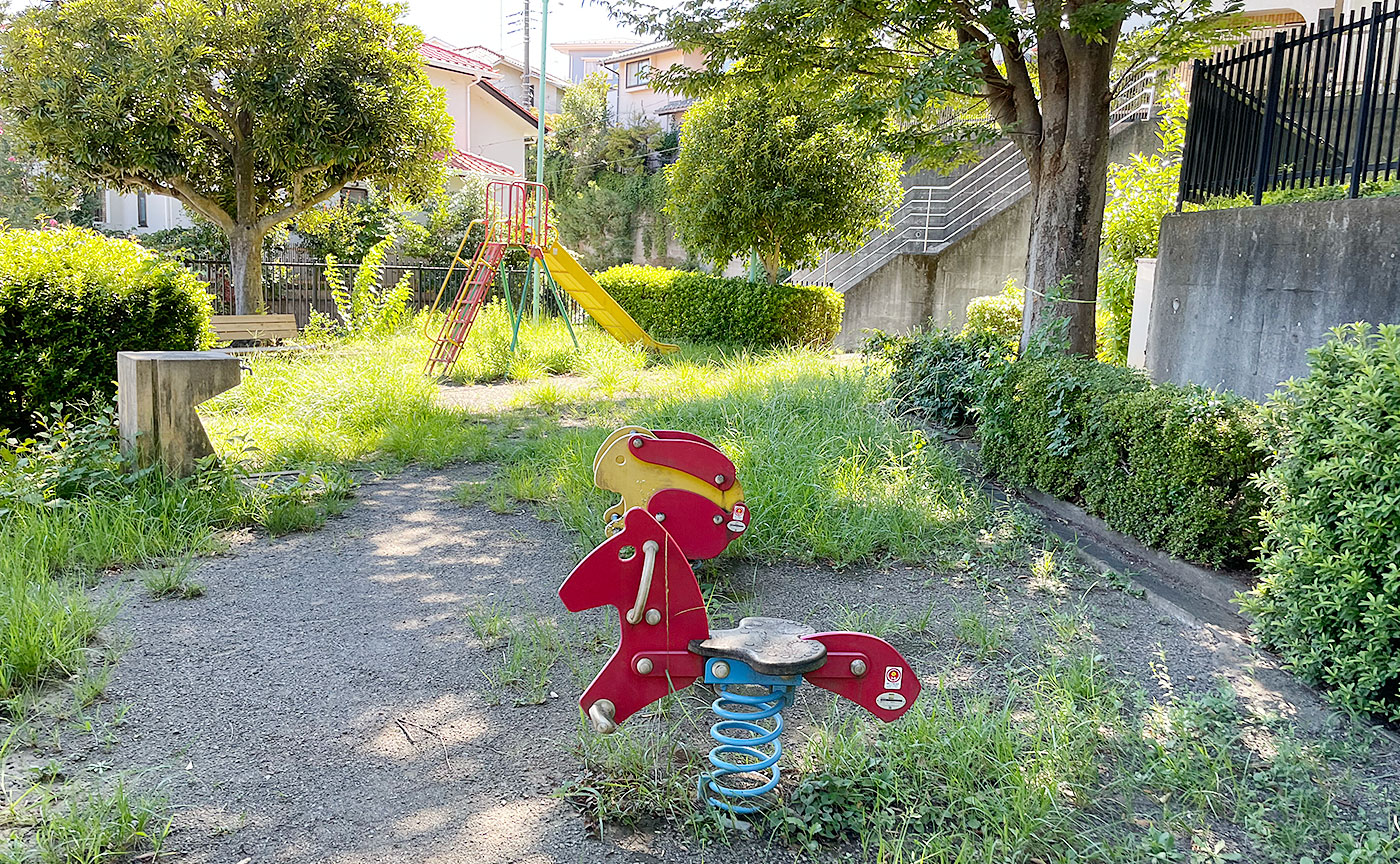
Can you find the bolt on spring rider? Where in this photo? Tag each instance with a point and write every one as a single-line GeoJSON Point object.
{"type": "Point", "coordinates": [682, 501]}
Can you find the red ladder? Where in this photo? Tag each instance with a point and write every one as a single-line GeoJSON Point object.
{"type": "Point", "coordinates": [476, 284]}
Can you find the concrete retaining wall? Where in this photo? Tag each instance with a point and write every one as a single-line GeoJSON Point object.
{"type": "Point", "coordinates": [913, 290]}
{"type": "Point", "coordinates": [1240, 295]}
{"type": "Point", "coordinates": [916, 289]}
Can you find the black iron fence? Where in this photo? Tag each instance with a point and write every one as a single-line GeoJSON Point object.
{"type": "Point", "coordinates": [298, 288]}
{"type": "Point", "coordinates": [1313, 106]}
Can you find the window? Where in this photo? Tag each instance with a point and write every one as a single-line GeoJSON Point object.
{"type": "Point", "coordinates": [141, 208]}
{"type": "Point", "coordinates": [350, 195]}
{"type": "Point", "coordinates": [100, 216]}
{"type": "Point", "coordinates": [637, 72]}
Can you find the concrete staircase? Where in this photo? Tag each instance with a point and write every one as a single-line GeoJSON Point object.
{"type": "Point", "coordinates": [936, 215]}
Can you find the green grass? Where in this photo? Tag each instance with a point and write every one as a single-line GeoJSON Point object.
{"type": "Point", "coordinates": [173, 581]}
{"type": "Point", "coordinates": [49, 554]}
{"type": "Point", "coordinates": [544, 348]}
{"type": "Point", "coordinates": [826, 476]}
{"type": "Point", "coordinates": [358, 401]}
{"type": "Point", "coordinates": [83, 823]}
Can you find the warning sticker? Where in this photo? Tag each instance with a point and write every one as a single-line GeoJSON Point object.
{"type": "Point", "coordinates": [890, 701]}
{"type": "Point", "coordinates": [894, 677]}
{"type": "Point", "coordinates": [737, 524]}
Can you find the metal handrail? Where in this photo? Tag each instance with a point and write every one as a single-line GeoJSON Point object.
{"type": "Point", "coordinates": [932, 217]}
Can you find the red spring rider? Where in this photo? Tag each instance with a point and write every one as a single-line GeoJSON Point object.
{"type": "Point", "coordinates": [667, 644]}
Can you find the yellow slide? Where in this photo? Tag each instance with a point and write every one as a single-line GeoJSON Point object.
{"type": "Point", "coordinates": [597, 302]}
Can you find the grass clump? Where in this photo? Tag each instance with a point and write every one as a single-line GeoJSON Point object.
{"type": "Point", "coordinates": [83, 823]}
{"type": "Point", "coordinates": [826, 477]}
{"type": "Point", "coordinates": [1072, 765]}
{"type": "Point", "coordinates": [173, 581]}
{"type": "Point", "coordinates": [364, 399]}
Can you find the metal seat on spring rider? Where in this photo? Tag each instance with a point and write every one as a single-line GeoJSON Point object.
{"type": "Point", "coordinates": [768, 646]}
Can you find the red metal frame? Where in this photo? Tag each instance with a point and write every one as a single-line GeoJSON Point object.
{"type": "Point", "coordinates": [510, 221]}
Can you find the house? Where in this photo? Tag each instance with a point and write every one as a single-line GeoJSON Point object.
{"type": "Point", "coordinates": [586, 56]}
{"type": "Point", "coordinates": [512, 77]}
{"type": "Point", "coordinates": [634, 99]}
{"type": "Point", "coordinates": [488, 123]}
{"type": "Point", "coordinates": [490, 133]}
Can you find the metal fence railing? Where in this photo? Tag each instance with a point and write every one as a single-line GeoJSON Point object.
{"type": "Point", "coordinates": [934, 216]}
{"type": "Point", "coordinates": [1312, 106]}
{"type": "Point", "coordinates": [298, 288]}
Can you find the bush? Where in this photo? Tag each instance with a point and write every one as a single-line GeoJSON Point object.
{"type": "Point", "coordinates": [1329, 597]}
{"type": "Point", "coordinates": [997, 313]}
{"type": "Point", "coordinates": [1168, 465]}
{"type": "Point", "coordinates": [934, 373]}
{"type": "Point", "coordinates": [69, 301]}
{"type": "Point", "coordinates": [678, 304]}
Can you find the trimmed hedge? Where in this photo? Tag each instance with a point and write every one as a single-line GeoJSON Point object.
{"type": "Point", "coordinates": [1169, 465]}
{"type": "Point", "coordinates": [681, 304]}
{"type": "Point", "coordinates": [69, 301]}
{"type": "Point", "coordinates": [934, 372]}
{"type": "Point", "coordinates": [1329, 597]}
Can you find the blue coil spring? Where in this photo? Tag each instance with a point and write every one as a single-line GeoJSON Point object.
{"type": "Point", "coordinates": [740, 733]}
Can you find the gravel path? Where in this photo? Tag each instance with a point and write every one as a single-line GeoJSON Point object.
{"type": "Point", "coordinates": [326, 700]}
{"type": "Point", "coordinates": [273, 701]}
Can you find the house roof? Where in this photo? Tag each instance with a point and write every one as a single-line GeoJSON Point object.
{"type": "Point", "coordinates": [642, 50]}
{"type": "Point", "coordinates": [442, 57]}
{"type": "Point", "coordinates": [496, 58]}
{"type": "Point", "coordinates": [515, 107]}
{"type": "Point", "coordinates": [474, 164]}
{"type": "Point", "coordinates": [675, 106]}
{"type": "Point", "coordinates": [580, 45]}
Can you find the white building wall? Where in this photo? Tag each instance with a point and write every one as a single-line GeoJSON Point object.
{"type": "Point", "coordinates": [162, 212]}
{"type": "Point", "coordinates": [497, 132]}
{"type": "Point", "coordinates": [642, 102]}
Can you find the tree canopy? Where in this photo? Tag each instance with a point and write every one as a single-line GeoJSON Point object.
{"type": "Point", "coordinates": [935, 78]}
{"type": "Point", "coordinates": [247, 111]}
{"type": "Point", "coordinates": [774, 171]}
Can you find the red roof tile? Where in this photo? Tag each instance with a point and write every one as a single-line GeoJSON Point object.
{"type": "Point", "coordinates": [436, 55]}
{"type": "Point", "coordinates": [474, 164]}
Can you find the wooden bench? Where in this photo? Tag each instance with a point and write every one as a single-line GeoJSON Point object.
{"type": "Point", "coordinates": [254, 328]}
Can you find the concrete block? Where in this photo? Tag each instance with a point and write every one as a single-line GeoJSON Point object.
{"type": "Point", "coordinates": [157, 392]}
{"type": "Point", "coordinates": [1242, 294]}
{"type": "Point", "coordinates": [1142, 312]}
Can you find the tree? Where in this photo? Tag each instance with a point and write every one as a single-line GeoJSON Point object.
{"type": "Point", "coordinates": [929, 75]}
{"type": "Point", "coordinates": [603, 179]}
{"type": "Point", "coordinates": [29, 191]}
{"type": "Point", "coordinates": [247, 111]}
{"type": "Point", "coordinates": [1140, 193]}
{"type": "Point", "coordinates": [771, 171]}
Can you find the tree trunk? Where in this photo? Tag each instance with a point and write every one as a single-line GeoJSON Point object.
{"type": "Point", "coordinates": [770, 266]}
{"type": "Point", "coordinates": [245, 246]}
{"type": "Point", "coordinates": [1069, 179]}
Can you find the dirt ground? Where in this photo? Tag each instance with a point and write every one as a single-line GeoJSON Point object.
{"type": "Point", "coordinates": [326, 700]}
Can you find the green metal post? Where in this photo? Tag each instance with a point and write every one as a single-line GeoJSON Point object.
{"type": "Point", "coordinates": [540, 92]}
{"type": "Point", "coordinates": [753, 265]}
{"type": "Point", "coordinates": [560, 305]}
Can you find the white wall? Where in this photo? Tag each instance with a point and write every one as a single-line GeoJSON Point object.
{"type": "Point", "coordinates": [497, 132]}
{"type": "Point", "coordinates": [162, 212]}
{"type": "Point", "coordinates": [455, 86]}
{"type": "Point", "coordinates": [642, 102]}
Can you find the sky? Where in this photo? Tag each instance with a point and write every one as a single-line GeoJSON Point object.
{"type": "Point", "coordinates": [482, 22]}
{"type": "Point", "coordinates": [479, 22]}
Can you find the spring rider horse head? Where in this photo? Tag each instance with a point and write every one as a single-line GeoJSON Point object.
{"type": "Point", "coordinates": [680, 501]}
